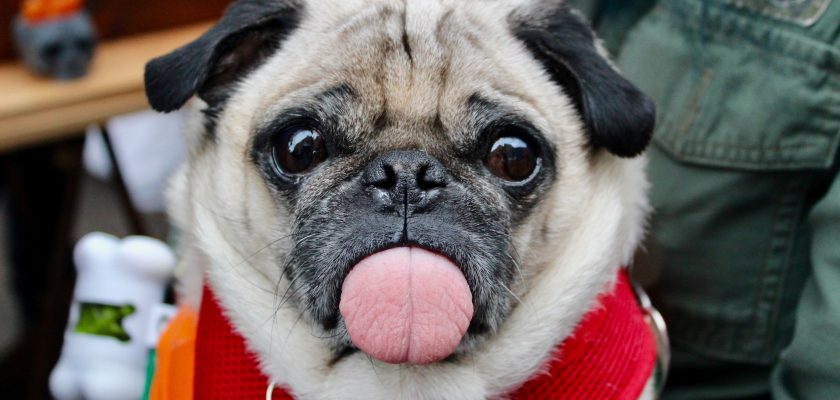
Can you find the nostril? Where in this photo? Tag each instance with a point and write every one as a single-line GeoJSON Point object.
{"type": "Point", "coordinates": [384, 178]}
{"type": "Point", "coordinates": [390, 178]}
{"type": "Point", "coordinates": [430, 177]}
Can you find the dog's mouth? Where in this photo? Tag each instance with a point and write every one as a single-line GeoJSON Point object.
{"type": "Point", "coordinates": [406, 280]}
{"type": "Point", "coordinates": [406, 305]}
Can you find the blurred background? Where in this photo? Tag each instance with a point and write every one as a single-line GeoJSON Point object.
{"type": "Point", "coordinates": [72, 162]}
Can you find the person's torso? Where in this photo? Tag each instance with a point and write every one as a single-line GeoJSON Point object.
{"type": "Point", "coordinates": [748, 102]}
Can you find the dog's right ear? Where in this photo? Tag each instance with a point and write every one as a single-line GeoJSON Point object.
{"type": "Point", "coordinates": [618, 116]}
{"type": "Point", "coordinates": [247, 34]}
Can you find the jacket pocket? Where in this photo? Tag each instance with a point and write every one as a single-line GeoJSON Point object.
{"type": "Point", "coordinates": [801, 12]}
{"type": "Point", "coordinates": [736, 92]}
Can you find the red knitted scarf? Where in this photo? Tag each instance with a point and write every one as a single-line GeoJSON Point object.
{"type": "Point", "coordinates": [611, 355]}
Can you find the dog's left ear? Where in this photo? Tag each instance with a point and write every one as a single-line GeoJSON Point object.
{"type": "Point", "coordinates": [618, 116]}
{"type": "Point", "coordinates": [245, 36]}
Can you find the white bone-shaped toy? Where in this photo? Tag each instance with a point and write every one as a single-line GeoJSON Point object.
{"type": "Point", "coordinates": [105, 352]}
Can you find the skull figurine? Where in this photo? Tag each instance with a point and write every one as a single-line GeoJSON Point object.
{"type": "Point", "coordinates": [61, 48]}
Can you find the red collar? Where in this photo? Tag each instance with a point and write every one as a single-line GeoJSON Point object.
{"type": "Point", "coordinates": [611, 355]}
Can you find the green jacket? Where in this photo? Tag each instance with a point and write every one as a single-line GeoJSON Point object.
{"type": "Point", "coordinates": [745, 235]}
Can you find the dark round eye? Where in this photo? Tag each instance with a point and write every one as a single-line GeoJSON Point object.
{"type": "Point", "coordinates": [51, 50]}
{"type": "Point", "coordinates": [299, 150]}
{"type": "Point", "coordinates": [512, 159]}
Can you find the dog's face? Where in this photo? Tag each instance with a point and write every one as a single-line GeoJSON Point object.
{"type": "Point", "coordinates": [334, 130]}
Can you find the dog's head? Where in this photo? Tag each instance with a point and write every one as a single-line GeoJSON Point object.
{"type": "Point", "coordinates": [336, 130]}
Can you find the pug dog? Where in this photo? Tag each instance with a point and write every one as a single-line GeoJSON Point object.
{"type": "Point", "coordinates": [404, 199]}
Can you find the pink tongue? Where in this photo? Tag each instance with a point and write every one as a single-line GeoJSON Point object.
{"type": "Point", "coordinates": [406, 305]}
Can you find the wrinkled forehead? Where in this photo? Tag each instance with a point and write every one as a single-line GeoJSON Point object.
{"type": "Point", "coordinates": [409, 70]}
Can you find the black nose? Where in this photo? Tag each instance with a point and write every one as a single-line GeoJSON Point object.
{"type": "Point", "coordinates": [405, 177]}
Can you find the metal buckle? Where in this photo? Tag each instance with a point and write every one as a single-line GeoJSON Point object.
{"type": "Point", "coordinates": [660, 331]}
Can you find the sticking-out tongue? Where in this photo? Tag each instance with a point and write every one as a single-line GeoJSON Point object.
{"type": "Point", "coordinates": [406, 305]}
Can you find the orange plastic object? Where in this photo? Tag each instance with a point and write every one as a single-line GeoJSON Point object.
{"type": "Point", "coordinates": [34, 11]}
{"type": "Point", "coordinates": [175, 367]}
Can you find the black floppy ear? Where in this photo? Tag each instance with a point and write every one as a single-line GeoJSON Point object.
{"type": "Point", "coordinates": [618, 116]}
{"type": "Point", "coordinates": [246, 35]}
